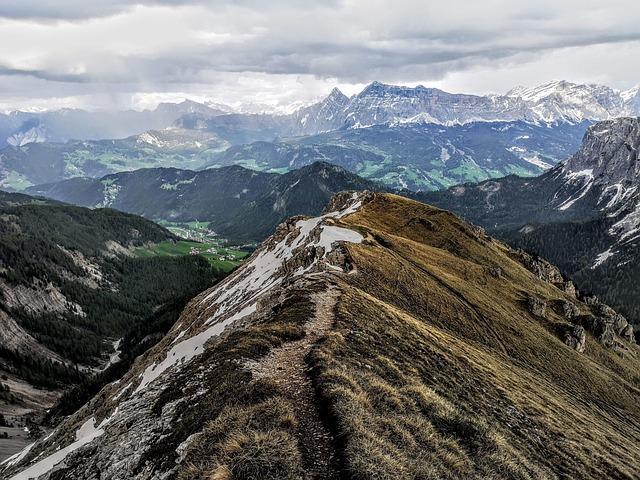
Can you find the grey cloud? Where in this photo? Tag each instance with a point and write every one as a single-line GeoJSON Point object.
{"type": "Point", "coordinates": [71, 10]}
{"type": "Point", "coordinates": [412, 40]}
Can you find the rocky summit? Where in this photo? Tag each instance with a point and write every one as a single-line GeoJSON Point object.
{"type": "Point", "coordinates": [383, 339]}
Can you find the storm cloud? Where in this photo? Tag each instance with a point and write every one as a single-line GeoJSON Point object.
{"type": "Point", "coordinates": [279, 51]}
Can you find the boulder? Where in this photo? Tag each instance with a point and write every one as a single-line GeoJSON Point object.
{"type": "Point", "coordinates": [495, 272]}
{"type": "Point", "coordinates": [603, 329]}
{"type": "Point", "coordinates": [537, 306]}
{"type": "Point", "coordinates": [540, 268]}
{"type": "Point", "coordinates": [569, 287]}
{"type": "Point", "coordinates": [628, 334]}
{"type": "Point", "coordinates": [575, 337]}
{"type": "Point", "coordinates": [570, 310]}
{"type": "Point", "coordinates": [619, 323]}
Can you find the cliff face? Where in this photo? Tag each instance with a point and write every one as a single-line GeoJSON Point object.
{"type": "Point", "coordinates": [384, 339]}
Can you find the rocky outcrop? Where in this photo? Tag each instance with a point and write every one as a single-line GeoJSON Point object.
{"type": "Point", "coordinates": [542, 269]}
{"type": "Point", "coordinates": [570, 310]}
{"type": "Point", "coordinates": [39, 298]}
{"type": "Point", "coordinates": [537, 306]}
{"type": "Point", "coordinates": [15, 339]}
{"type": "Point", "coordinates": [608, 151]}
{"type": "Point", "coordinates": [607, 324]}
{"type": "Point", "coordinates": [575, 337]}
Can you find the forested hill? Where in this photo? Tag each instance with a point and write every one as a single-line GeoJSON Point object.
{"type": "Point", "coordinates": [70, 286]}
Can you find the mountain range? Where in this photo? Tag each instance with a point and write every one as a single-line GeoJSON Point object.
{"type": "Point", "coordinates": [239, 204]}
{"type": "Point", "coordinates": [450, 138]}
{"type": "Point", "coordinates": [383, 339]}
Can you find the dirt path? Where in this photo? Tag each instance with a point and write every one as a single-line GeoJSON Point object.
{"type": "Point", "coordinates": [287, 367]}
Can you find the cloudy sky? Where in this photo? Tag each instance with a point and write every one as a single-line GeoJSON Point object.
{"type": "Point", "coordinates": [124, 54]}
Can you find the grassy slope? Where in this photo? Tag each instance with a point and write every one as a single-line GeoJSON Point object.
{"type": "Point", "coordinates": [434, 369]}
{"type": "Point", "coordinates": [437, 370]}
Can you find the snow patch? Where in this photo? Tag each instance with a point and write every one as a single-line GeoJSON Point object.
{"type": "Point", "coordinates": [603, 257]}
{"type": "Point", "coordinates": [85, 434]}
{"type": "Point", "coordinates": [585, 176]}
{"type": "Point", "coordinates": [237, 297]}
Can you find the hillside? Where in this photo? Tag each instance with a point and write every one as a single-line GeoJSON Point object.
{"type": "Point", "coordinates": [44, 162]}
{"type": "Point", "coordinates": [386, 339]}
{"type": "Point", "coordinates": [70, 288]}
{"type": "Point", "coordinates": [582, 214]}
{"type": "Point", "coordinates": [239, 204]}
{"type": "Point", "coordinates": [420, 155]}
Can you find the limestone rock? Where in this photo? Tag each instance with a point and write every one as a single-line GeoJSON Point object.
{"type": "Point", "coordinates": [570, 310]}
{"type": "Point", "coordinates": [537, 306]}
{"type": "Point", "coordinates": [575, 337]}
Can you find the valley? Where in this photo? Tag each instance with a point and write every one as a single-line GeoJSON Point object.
{"type": "Point", "coordinates": [329, 240]}
{"type": "Point", "coordinates": [72, 283]}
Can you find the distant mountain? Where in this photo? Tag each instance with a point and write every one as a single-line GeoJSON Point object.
{"type": "Point", "coordinates": [385, 339]}
{"type": "Point", "coordinates": [417, 156]}
{"type": "Point", "coordinates": [463, 137]}
{"type": "Point", "coordinates": [22, 128]}
{"type": "Point", "coordinates": [240, 204]}
{"type": "Point", "coordinates": [420, 156]}
{"type": "Point", "coordinates": [583, 214]}
{"type": "Point", "coordinates": [37, 163]}
{"type": "Point", "coordinates": [566, 101]}
{"type": "Point", "coordinates": [70, 287]}
{"type": "Point", "coordinates": [380, 104]}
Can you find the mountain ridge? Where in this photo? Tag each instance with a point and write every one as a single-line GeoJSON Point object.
{"type": "Point", "coordinates": [398, 371]}
{"type": "Point", "coordinates": [219, 195]}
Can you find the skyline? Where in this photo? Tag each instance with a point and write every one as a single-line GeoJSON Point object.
{"type": "Point", "coordinates": [118, 55]}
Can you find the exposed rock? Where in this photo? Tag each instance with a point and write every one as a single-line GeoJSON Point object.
{"type": "Point", "coordinates": [570, 310]}
{"type": "Point", "coordinates": [37, 299]}
{"type": "Point", "coordinates": [495, 272]}
{"type": "Point", "coordinates": [603, 329]}
{"type": "Point", "coordinates": [15, 339]}
{"type": "Point", "coordinates": [115, 249]}
{"type": "Point", "coordinates": [604, 310]}
{"type": "Point", "coordinates": [540, 268]}
{"type": "Point", "coordinates": [628, 333]}
{"type": "Point", "coordinates": [537, 306]}
{"type": "Point", "coordinates": [568, 287]}
{"type": "Point", "coordinates": [343, 199]}
{"type": "Point", "coordinates": [591, 300]}
{"type": "Point", "coordinates": [94, 276]}
{"type": "Point", "coordinates": [575, 337]}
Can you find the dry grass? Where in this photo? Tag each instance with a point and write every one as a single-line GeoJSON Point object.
{"type": "Point", "coordinates": [248, 442]}
{"type": "Point", "coordinates": [437, 370]}
{"type": "Point", "coordinates": [245, 427]}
